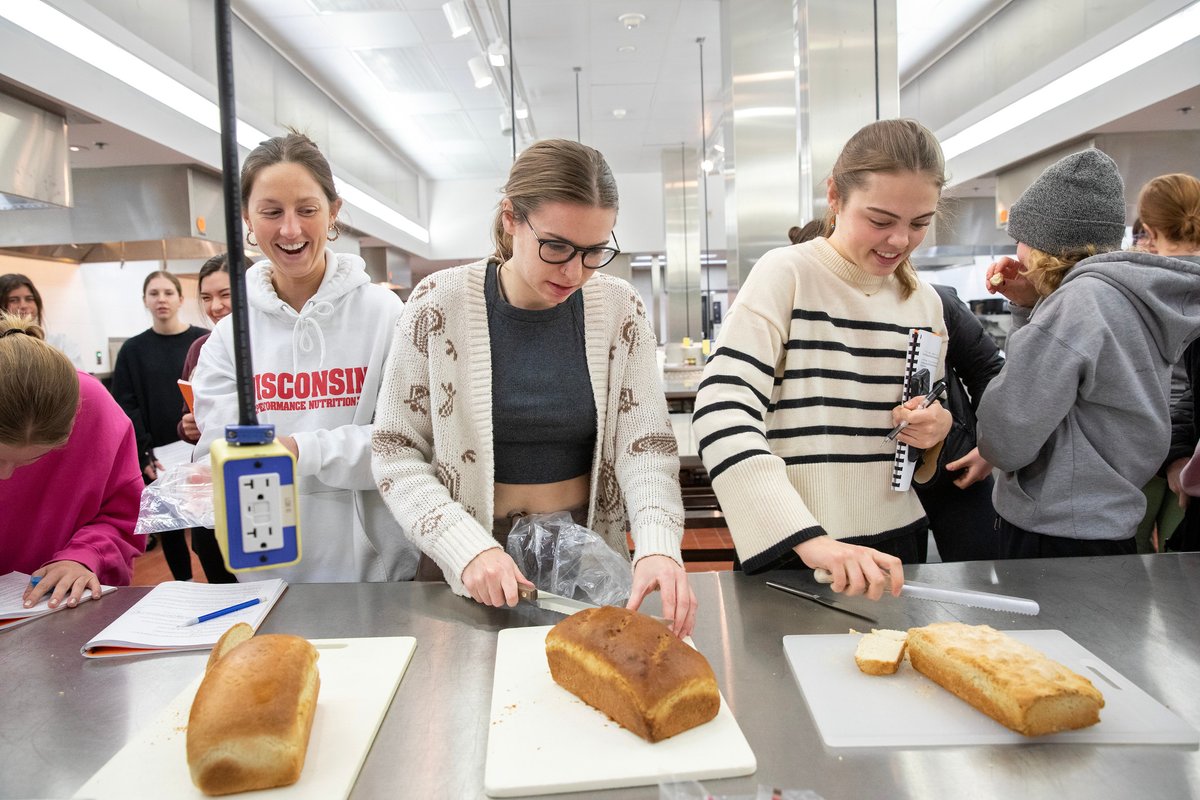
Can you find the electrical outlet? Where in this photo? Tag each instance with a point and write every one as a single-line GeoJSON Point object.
{"type": "Point", "coordinates": [256, 505]}
{"type": "Point", "coordinates": [262, 513]}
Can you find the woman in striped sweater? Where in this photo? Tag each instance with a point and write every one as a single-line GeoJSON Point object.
{"type": "Point", "coordinates": [807, 376]}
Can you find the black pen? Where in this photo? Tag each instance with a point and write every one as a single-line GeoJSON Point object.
{"type": "Point", "coordinates": [938, 388]}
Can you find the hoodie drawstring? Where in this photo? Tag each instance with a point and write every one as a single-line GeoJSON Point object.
{"type": "Point", "coordinates": [309, 329]}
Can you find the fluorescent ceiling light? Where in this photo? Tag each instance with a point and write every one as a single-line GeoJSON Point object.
{"type": "Point", "coordinates": [1135, 51]}
{"type": "Point", "coordinates": [456, 18]}
{"type": "Point", "coordinates": [480, 74]}
{"type": "Point", "coordinates": [522, 112]}
{"type": "Point", "coordinates": [58, 29]}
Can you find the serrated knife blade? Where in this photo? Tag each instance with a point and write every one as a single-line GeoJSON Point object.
{"type": "Point", "coordinates": [962, 597]}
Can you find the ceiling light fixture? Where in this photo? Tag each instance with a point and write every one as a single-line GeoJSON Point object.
{"type": "Point", "coordinates": [619, 113]}
{"type": "Point", "coordinates": [55, 27]}
{"type": "Point", "coordinates": [480, 74]}
{"type": "Point", "coordinates": [522, 112]}
{"type": "Point", "coordinates": [456, 18]}
{"type": "Point", "coordinates": [626, 48]}
{"type": "Point", "coordinates": [1135, 51]}
{"type": "Point", "coordinates": [631, 20]}
{"type": "Point", "coordinates": [497, 52]}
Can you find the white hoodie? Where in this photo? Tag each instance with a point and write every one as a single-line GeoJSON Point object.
{"type": "Point", "coordinates": [316, 378]}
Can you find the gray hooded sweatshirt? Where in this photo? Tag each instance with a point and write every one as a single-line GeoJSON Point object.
{"type": "Point", "coordinates": [1079, 418]}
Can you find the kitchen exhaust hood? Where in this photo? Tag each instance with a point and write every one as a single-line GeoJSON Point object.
{"type": "Point", "coordinates": [146, 213]}
{"type": "Point", "coordinates": [34, 172]}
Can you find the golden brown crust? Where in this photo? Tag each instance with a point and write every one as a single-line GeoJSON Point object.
{"type": "Point", "coordinates": [1010, 681]}
{"type": "Point", "coordinates": [230, 639]}
{"type": "Point", "coordinates": [632, 668]}
{"type": "Point", "coordinates": [252, 716]}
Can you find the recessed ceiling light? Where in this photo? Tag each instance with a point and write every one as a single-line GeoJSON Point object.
{"type": "Point", "coordinates": [619, 113]}
{"type": "Point", "coordinates": [626, 48]}
{"type": "Point", "coordinates": [75, 148]}
{"type": "Point", "coordinates": [631, 20]}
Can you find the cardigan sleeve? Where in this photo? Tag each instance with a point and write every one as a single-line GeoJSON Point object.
{"type": "Point", "coordinates": [403, 453]}
{"type": "Point", "coordinates": [767, 516]}
{"type": "Point", "coordinates": [647, 454]}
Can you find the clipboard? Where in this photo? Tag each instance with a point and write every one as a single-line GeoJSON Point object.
{"type": "Point", "coordinates": [920, 366]}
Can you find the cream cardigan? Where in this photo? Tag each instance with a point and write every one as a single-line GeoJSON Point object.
{"type": "Point", "coordinates": [432, 447]}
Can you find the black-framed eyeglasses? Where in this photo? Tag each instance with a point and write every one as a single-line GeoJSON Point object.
{"type": "Point", "coordinates": [556, 251]}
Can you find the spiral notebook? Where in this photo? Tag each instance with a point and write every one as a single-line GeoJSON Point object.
{"type": "Point", "coordinates": [920, 367]}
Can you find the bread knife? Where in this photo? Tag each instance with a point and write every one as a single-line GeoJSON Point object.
{"type": "Point", "coordinates": [962, 597]}
{"type": "Point", "coordinates": [816, 598]}
{"type": "Point", "coordinates": [549, 601]}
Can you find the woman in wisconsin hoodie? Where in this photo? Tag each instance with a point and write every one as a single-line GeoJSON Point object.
{"type": "Point", "coordinates": [320, 333]}
{"type": "Point", "coordinates": [1078, 420]}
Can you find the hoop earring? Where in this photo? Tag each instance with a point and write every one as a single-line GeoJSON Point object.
{"type": "Point", "coordinates": [334, 233]}
{"type": "Point", "coordinates": [250, 240]}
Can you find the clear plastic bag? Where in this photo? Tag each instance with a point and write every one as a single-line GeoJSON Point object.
{"type": "Point", "coordinates": [561, 556]}
{"type": "Point", "coordinates": [180, 497]}
{"type": "Point", "coordinates": [692, 790]}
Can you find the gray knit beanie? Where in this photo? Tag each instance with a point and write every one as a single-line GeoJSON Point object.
{"type": "Point", "coordinates": [1079, 200]}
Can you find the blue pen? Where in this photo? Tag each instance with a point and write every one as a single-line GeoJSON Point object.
{"type": "Point", "coordinates": [222, 612]}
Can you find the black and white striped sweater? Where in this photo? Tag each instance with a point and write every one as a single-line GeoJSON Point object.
{"type": "Point", "coordinates": [797, 398]}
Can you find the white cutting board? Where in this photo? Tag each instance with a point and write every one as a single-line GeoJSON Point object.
{"type": "Point", "coordinates": [543, 739]}
{"type": "Point", "coordinates": [358, 679]}
{"type": "Point", "coordinates": [907, 709]}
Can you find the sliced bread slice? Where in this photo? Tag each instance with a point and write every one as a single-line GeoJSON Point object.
{"type": "Point", "coordinates": [880, 652]}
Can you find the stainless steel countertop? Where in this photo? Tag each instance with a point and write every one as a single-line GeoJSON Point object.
{"type": "Point", "coordinates": [63, 716]}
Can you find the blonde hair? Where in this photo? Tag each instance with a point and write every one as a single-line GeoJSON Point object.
{"type": "Point", "coordinates": [889, 146]}
{"type": "Point", "coordinates": [39, 388]}
{"type": "Point", "coordinates": [1170, 204]}
{"type": "Point", "coordinates": [553, 171]}
{"type": "Point", "coordinates": [1045, 271]}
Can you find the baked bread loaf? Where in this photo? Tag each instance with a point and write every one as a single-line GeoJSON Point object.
{"type": "Point", "coordinates": [880, 652]}
{"type": "Point", "coordinates": [632, 668]}
{"type": "Point", "coordinates": [252, 716]}
{"type": "Point", "coordinates": [1011, 682]}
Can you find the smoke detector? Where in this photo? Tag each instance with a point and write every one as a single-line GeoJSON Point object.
{"type": "Point", "coordinates": [631, 20]}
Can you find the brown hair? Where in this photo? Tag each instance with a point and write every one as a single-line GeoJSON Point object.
{"type": "Point", "coordinates": [161, 273]}
{"type": "Point", "coordinates": [13, 281]}
{"type": "Point", "coordinates": [294, 148]}
{"type": "Point", "coordinates": [554, 171]}
{"type": "Point", "coordinates": [39, 388]}
{"type": "Point", "coordinates": [890, 146]}
{"type": "Point", "coordinates": [1170, 204]}
{"type": "Point", "coordinates": [810, 230]}
{"type": "Point", "coordinates": [1045, 271]}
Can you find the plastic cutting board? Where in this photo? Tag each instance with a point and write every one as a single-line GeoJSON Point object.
{"type": "Point", "coordinates": [909, 710]}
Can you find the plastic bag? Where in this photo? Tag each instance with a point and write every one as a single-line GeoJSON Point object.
{"type": "Point", "coordinates": [561, 556]}
{"type": "Point", "coordinates": [691, 790]}
{"type": "Point", "coordinates": [180, 497]}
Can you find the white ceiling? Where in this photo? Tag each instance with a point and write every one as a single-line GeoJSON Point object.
{"type": "Point", "coordinates": [394, 66]}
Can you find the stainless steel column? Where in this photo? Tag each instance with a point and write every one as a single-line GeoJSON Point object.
{"type": "Point", "coordinates": [847, 77]}
{"type": "Point", "coordinates": [681, 217]}
{"type": "Point", "coordinates": [801, 77]}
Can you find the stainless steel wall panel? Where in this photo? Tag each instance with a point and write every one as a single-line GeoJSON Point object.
{"type": "Point", "coordinates": [681, 218]}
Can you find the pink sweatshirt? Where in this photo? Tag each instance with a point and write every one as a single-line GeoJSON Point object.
{"type": "Point", "coordinates": [79, 502]}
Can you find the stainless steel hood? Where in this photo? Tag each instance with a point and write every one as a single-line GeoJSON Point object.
{"type": "Point", "coordinates": [34, 173]}
{"type": "Point", "coordinates": [125, 214]}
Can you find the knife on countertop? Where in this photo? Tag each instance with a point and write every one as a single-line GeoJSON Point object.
{"type": "Point", "coordinates": [962, 597]}
{"type": "Point", "coordinates": [816, 598]}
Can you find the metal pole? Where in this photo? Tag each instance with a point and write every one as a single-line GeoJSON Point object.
{"type": "Point", "coordinates": [233, 217]}
{"type": "Point", "coordinates": [578, 137]}
{"type": "Point", "coordinates": [512, 84]}
{"type": "Point", "coordinates": [707, 331]}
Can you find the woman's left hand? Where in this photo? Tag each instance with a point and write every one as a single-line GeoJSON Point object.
{"type": "Point", "coordinates": [678, 599]}
{"type": "Point", "coordinates": [67, 579]}
{"type": "Point", "coordinates": [926, 426]}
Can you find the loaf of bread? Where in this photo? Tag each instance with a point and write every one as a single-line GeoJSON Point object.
{"type": "Point", "coordinates": [632, 668]}
{"type": "Point", "coordinates": [1011, 682]}
{"type": "Point", "coordinates": [252, 716]}
{"type": "Point", "coordinates": [230, 639]}
{"type": "Point", "coordinates": [880, 652]}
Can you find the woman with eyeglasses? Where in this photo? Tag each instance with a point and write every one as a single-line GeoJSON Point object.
{"type": "Point", "coordinates": [527, 383]}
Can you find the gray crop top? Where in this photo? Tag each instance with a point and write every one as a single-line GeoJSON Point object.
{"type": "Point", "coordinates": [543, 410]}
